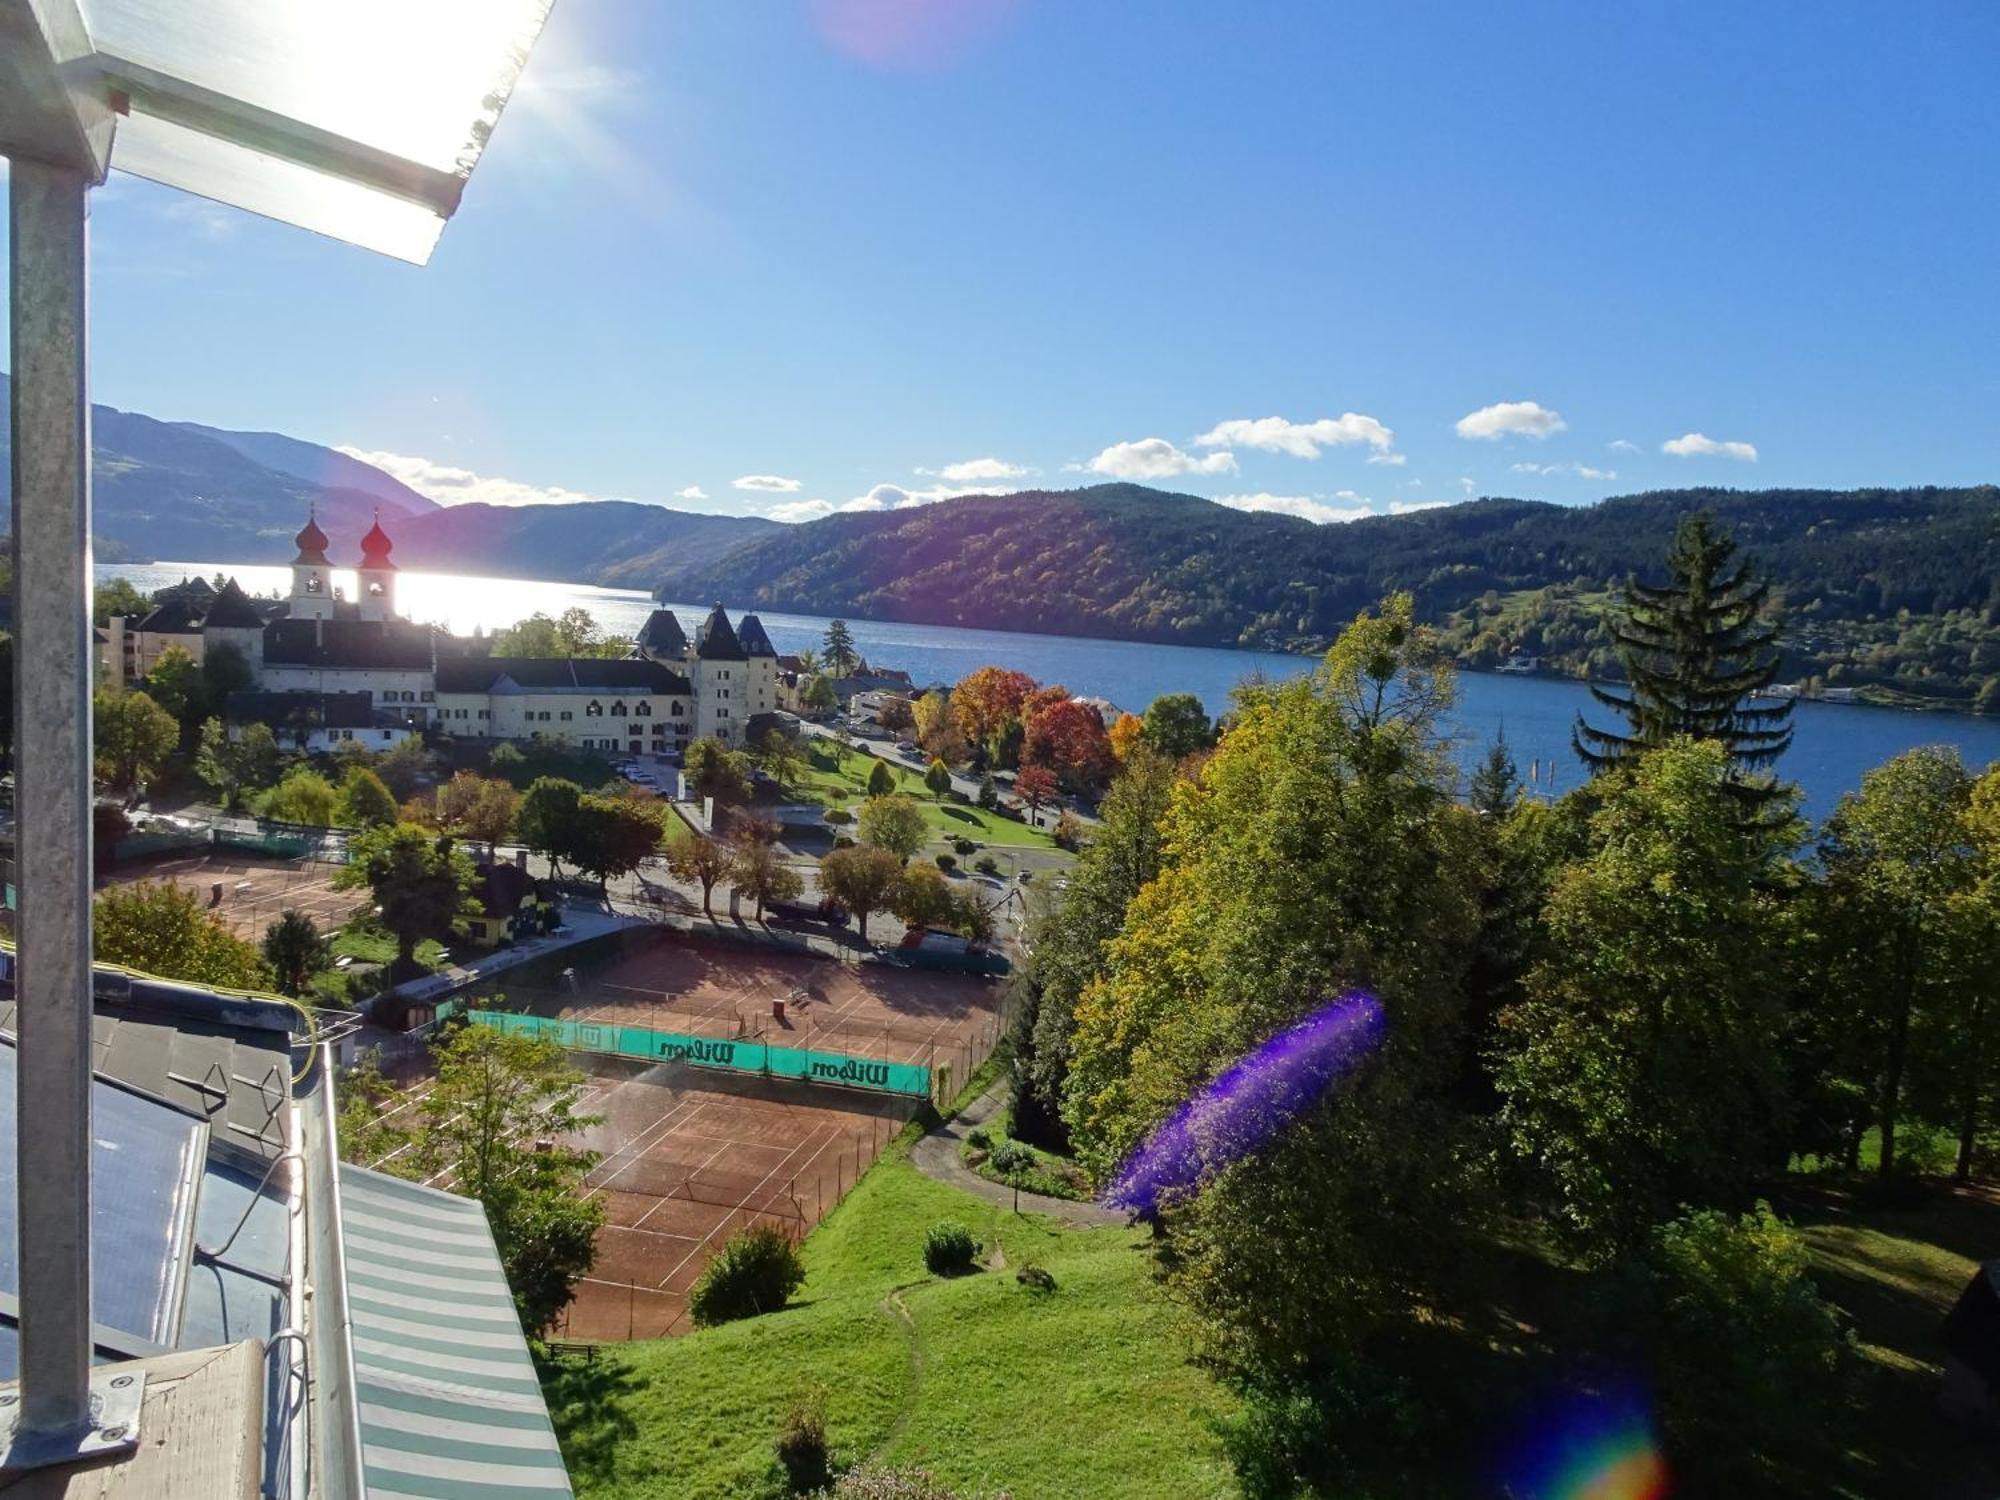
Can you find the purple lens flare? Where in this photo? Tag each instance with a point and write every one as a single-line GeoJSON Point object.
{"type": "Point", "coordinates": [1250, 1102]}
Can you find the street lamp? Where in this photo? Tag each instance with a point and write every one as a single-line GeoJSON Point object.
{"type": "Point", "coordinates": [359, 119]}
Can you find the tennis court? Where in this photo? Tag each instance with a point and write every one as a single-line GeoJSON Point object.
{"type": "Point", "coordinates": [248, 892]}
{"type": "Point", "coordinates": [690, 1157]}
{"type": "Point", "coordinates": [671, 981]}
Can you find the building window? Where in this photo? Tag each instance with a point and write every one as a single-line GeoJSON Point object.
{"type": "Point", "coordinates": [485, 713]}
{"type": "Point", "coordinates": [388, 695]}
{"type": "Point", "coordinates": [618, 710]}
{"type": "Point", "coordinates": [677, 708]}
{"type": "Point", "coordinates": [409, 697]}
{"type": "Point", "coordinates": [593, 710]}
{"type": "Point", "coordinates": [427, 697]}
{"type": "Point", "coordinates": [644, 710]}
{"type": "Point", "coordinates": [565, 716]}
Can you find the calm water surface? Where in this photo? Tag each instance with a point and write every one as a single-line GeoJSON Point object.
{"type": "Point", "coordinates": [1834, 745]}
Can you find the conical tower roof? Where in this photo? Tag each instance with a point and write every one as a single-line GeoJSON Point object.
{"type": "Point", "coordinates": [750, 631]}
{"type": "Point", "coordinates": [716, 640]}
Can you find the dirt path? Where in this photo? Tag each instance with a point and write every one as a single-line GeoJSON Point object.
{"type": "Point", "coordinates": [936, 1156]}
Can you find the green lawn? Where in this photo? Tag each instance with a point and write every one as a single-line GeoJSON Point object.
{"type": "Point", "coordinates": [1083, 1392]}
{"type": "Point", "coordinates": [371, 945]}
{"type": "Point", "coordinates": [844, 783]}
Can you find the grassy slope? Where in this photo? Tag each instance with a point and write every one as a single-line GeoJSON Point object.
{"type": "Point", "coordinates": [846, 786]}
{"type": "Point", "coordinates": [1081, 1393]}
{"type": "Point", "coordinates": [1897, 1272]}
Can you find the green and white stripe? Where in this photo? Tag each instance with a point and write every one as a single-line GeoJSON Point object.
{"type": "Point", "coordinates": [449, 1403]}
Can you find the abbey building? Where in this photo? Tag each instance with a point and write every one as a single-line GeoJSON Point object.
{"type": "Point", "coordinates": [321, 668]}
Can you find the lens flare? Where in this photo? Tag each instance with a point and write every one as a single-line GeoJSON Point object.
{"type": "Point", "coordinates": [1596, 1448]}
{"type": "Point", "coordinates": [1251, 1101]}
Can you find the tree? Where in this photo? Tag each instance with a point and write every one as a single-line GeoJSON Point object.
{"type": "Point", "coordinates": [989, 792]}
{"type": "Point", "coordinates": [1695, 651]}
{"type": "Point", "coordinates": [1496, 785]}
{"type": "Point", "coordinates": [1068, 737]}
{"type": "Point", "coordinates": [1900, 860]}
{"type": "Point", "coordinates": [365, 802]}
{"type": "Point", "coordinates": [223, 671]}
{"type": "Point", "coordinates": [881, 780]}
{"type": "Point", "coordinates": [1066, 944]}
{"type": "Point", "coordinates": [783, 756]}
{"type": "Point", "coordinates": [818, 694]}
{"type": "Point", "coordinates": [133, 737]}
{"type": "Point", "coordinates": [705, 861]}
{"type": "Point", "coordinates": [176, 684]}
{"type": "Point", "coordinates": [119, 596]}
{"type": "Point", "coordinates": [547, 819]}
{"type": "Point", "coordinates": [497, 1124]}
{"type": "Point", "coordinates": [931, 716]}
{"type": "Point", "coordinates": [923, 897]}
{"type": "Point", "coordinates": [304, 797]}
{"type": "Point", "coordinates": [896, 715]}
{"type": "Point", "coordinates": [1036, 787]}
{"type": "Point", "coordinates": [937, 777]}
{"type": "Point", "coordinates": [986, 703]}
{"type": "Point", "coordinates": [714, 770]}
{"type": "Point", "coordinates": [614, 836]}
{"type": "Point", "coordinates": [1126, 731]}
{"type": "Point", "coordinates": [808, 660]}
{"type": "Point", "coordinates": [576, 633]}
{"type": "Point", "coordinates": [1177, 724]}
{"type": "Point", "coordinates": [419, 881]}
{"type": "Point", "coordinates": [757, 871]}
{"type": "Point", "coordinates": [1980, 912]}
{"type": "Point", "coordinates": [478, 808]}
{"type": "Point", "coordinates": [893, 823]}
{"type": "Point", "coordinates": [1324, 854]}
{"type": "Point", "coordinates": [862, 879]}
{"type": "Point", "coordinates": [160, 929]}
{"type": "Point", "coordinates": [1641, 1070]}
{"type": "Point", "coordinates": [231, 768]}
{"type": "Point", "coordinates": [295, 950]}
{"type": "Point", "coordinates": [404, 767]}
{"type": "Point", "coordinates": [839, 654]}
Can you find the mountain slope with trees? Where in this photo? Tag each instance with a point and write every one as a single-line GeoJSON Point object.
{"type": "Point", "coordinates": [1899, 588]}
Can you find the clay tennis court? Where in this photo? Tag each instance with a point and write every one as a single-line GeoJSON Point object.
{"type": "Point", "coordinates": [256, 888]}
{"type": "Point", "coordinates": [689, 1158]}
{"type": "Point", "coordinates": [712, 987]}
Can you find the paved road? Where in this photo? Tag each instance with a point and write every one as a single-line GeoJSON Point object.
{"type": "Point", "coordinates": [936, 1156]}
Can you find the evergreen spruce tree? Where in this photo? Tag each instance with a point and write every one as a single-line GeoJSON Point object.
{"type": "Point", "coordinates": [840, 656]}
{"type": "Point", "coordinates": [1496, 785]}
{"type": "Point", "coordinates": [1695, 650]}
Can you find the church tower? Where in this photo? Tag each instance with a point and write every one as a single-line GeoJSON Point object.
{"type": "Point", "coordinates": [375, 594]}
{"type": "Point", "coordinates": [312, 575]}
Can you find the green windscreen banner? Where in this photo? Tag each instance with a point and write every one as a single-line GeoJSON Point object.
{"type": "Point", "coordinates": [840, 1068]}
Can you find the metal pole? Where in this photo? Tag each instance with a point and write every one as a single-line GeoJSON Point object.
{"type": "Point", "coordinates": [52, 669]}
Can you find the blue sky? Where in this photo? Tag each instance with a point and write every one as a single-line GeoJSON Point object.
{"type": "Point", "coordinates": [846, 248]}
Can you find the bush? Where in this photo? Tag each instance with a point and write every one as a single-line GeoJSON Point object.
{"type": "Point", "coordinates": [755, 1272]}
{"type": "Point", "coordinates": [949, 1248]}
{"type": "Point", "coordinates": [1351, 1434]}
{"type": "Point", "coordinates": [1035, 1278]}
{"type": "Point", "coordinates": [964, 846]}
{"type": "Point", "coordinates": [871, 1483]}
{"type": "Point", "coordinates": [839, 817]}
{"type": "Point", "coordinates": [977, 1137]}
{"type": "Point", "coordinates": [947, 862]}
{"type": "Point", "coordinates": [1010, 1157]}
{"type": "Point", "coordinates": [802, 1447]}
{"type": "Point", "coordinates": [842, 841]}
{"type": "Point", "coordinates": [1752, 1367]}
{"type": "Point", "coordinates": [986, 864]}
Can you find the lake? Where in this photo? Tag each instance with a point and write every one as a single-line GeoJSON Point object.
{"type": "Point", "coordinates": [1835, 743]}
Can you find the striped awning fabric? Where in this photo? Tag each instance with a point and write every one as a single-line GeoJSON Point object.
{"type": "Point", "coordinates": [449, 1403]}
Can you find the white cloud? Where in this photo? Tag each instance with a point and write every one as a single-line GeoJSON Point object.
{"type": "Point", "coordinates": [768, 483]}
{"type": "Point", "coordinates": [1623, 445]}
{"type": "Point", "coordinates": [1697, 444]}
{"type": "Point", "coordinates": [1302, 506]}
{"type": "Point", "coordinates": [1580, 470]}
{"type": "Point", "coordinates": [1527, 418]}
{"type": "Point", "coordinates": [1406, 507]}
{"type": "Point", "coordinates": [1300, 439]}
{"type": "Point", "coordinates": [1395, 460]}
{"type": "Point", "coordinates": [454, 486]}
{"type": "Point", "coordinates": [1465, 483]}
{"type": "Point", "coordinates": [897, 497]}
{"type": "Point", "coordinates": [1156, 458]}
{"type": "Point", "coordinates": [692, 492]}
{"type": "Point", "coordinates": [979, 469]}
{"type": "Point", "coordinates": [799, 510]}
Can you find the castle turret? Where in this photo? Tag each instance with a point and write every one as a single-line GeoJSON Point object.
{"type": "Point", "coordinates": [761, 667]}
{"type": "Point", "coordinates": [721, 680]}
{"type": "Point", "coordinates": [375, 597]}
{"type": "Point", "coordinates": [312, 575]}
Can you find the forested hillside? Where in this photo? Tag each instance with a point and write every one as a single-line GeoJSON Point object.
{"type": "Point", "coordinates": [1893, 589]}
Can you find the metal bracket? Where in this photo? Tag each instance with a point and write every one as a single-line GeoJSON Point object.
{"type": "Point", "coordinates": [116, 1394]}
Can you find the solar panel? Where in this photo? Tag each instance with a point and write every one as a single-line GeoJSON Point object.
{"type": "Point", "coordinates": [145, 1161]}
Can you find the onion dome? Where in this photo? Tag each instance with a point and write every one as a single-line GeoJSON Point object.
{"type": "Point", "coordinates": [375, 546]}
{"type": "Point", "coordinates": [312, 545]}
